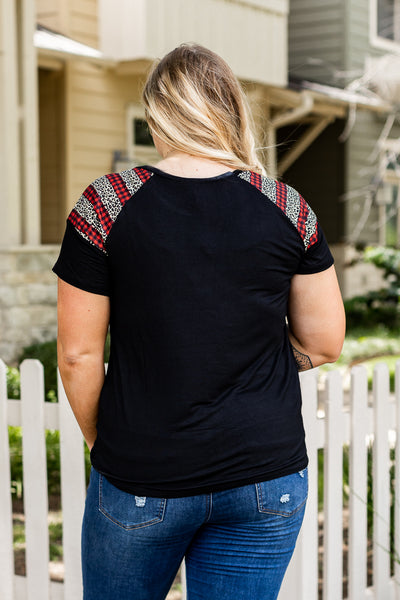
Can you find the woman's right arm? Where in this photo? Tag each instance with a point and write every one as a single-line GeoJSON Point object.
{"type": "Point", "coordinates": [316, 318]}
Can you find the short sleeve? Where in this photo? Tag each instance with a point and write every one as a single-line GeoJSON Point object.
{"type": "Point", "coordinates": [317, 257]}
{"type": "Point", "coordinates": [83, 260]}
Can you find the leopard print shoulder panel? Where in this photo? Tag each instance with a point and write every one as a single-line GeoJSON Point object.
{"type": "Point", "coordinates": [291, 203]}
{"type": "Point", "coordinates": [100, 204]}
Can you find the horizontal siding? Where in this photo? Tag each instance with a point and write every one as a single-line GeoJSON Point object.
{"type": "Point", "coordinates": [316, 32]}
{"type": "Point", "coordinates": [358, 34]}
{"type": "Point", "coordinates": [97, 123]}
{"type": "Point", "coordinates": [75, 18]}
{"type": "Point", "coordinates": [359, 147]}
{"type": "Point", "coordinates": [84, 7]}
{"type": "Point", "coordinates": [84, 28]}
{"type": "Point", "coordinates": [312, 18]}
{"type": "Point", "coordinates": [320, 32]}
{"type": "Point", "coordinates": [150, 28]}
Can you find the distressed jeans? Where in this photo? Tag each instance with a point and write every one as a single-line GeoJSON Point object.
{"type": "Point", "coordinates": [237, 543]}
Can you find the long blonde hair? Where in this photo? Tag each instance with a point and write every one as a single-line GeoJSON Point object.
{"type": "Point", "coordinates": [195, 104]}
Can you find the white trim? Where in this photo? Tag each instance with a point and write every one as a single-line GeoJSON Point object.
{"type": "Point", "coordinates": [137, 152]}
{"type": "Point", "coordinates": [31, 224]}
{"type": "Point", "coordinates": [375, 40]}
{"type": "Point", "coordinates": [10, 157]}
{"type": "Point", "coordinates": [280, 7]}
{"type": "Point", "coordinates": [50, 40]}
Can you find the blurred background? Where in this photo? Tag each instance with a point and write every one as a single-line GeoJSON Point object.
{"type": "Point", "coordinates": [323, 82]}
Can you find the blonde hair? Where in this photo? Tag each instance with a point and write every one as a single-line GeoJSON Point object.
{"type": "Point", "coordinates": [195, 104]}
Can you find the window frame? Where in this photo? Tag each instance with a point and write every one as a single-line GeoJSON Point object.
{"type": "Point", "coordinates": [139, 153]}
{"type": "Point", "coordinates": [392, 179]}
{"type": "Point", "coordinates": [375, 40]}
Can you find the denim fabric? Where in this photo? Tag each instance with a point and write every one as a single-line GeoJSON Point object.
{"type": "Point", "coordinates": [237, 543]}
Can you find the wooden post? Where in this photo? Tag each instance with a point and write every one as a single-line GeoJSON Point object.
{"type": "Point", "coordinates": [35, 480]}
{"type": "Point", "coordinates": [397, 487]}
{"type": "Point", "coordinates": [333, 489]}
{"type": "Point", "coordinates": [301, 580]}
{"type": "Point", "coordinates": [358, 484]}
{"type": "Point", "coordinates": [381, 539]}
{"type": "Point", "coordinates": [73, 493]}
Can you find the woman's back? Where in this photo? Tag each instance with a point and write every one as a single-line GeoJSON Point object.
{"type": "Point", "coordinates": [201, 371]}
{"type": "Point", "coordinates": [218, 288]}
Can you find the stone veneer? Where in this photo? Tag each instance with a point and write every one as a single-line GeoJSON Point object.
{"type": "Point", "coordinates": [28, 298]}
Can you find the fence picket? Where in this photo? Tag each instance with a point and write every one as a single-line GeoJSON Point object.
{"type": "Point", "coordinates": [73, 493]}
{"type": "Point", "coordinates": [333, 495]}
{"type": "Point", "coordinates": [397, 487]}
{"type": "Point", "coordinates": [35, 480]}
{"type": "Point", "coordinates": [358, 484]}
{"type": "Point", "coordinates": [6, 534]}
{"type": "Point", "coordinates": [381, 521]}
{"type": "Point", "coordinates": [301, 579]}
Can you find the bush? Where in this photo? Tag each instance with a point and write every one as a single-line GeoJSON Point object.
{"type": "Point", "coordinates": [380, 307]}
{"type": "Point", "coordinates": [46, 352]}
{"type": "Point", "coordinates": [373, 309]}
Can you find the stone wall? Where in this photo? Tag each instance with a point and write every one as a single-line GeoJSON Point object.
{"type": "Point", "coordinates": [28, 298]}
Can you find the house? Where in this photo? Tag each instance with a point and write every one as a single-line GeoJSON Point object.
{"type": "Point", "coordinates": [355, 188]}
{"type": "Point", "coordinates": [71, 74]}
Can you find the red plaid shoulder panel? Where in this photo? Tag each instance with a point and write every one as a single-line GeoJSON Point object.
{"type": "Point", "coordinates": [100, 204]}
{"type": "Point", "coordinates": [291, 203]}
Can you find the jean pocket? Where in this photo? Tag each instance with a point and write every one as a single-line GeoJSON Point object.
{"type": "Point", "coordinates": [283, 496]}
{"type": "Point", "coordinates": [127, 510]}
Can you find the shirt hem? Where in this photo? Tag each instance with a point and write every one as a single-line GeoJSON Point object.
{"type": "Point", "coordinates": [152, 491]}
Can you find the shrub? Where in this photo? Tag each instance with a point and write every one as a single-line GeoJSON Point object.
{"type": "Point", "coordinates": [380, 307]}
{"type": "Point", "coordinates": [46, 352]}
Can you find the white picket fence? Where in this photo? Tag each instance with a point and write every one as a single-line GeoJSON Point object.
{"type": "Point", "coordinates": [353, 424]}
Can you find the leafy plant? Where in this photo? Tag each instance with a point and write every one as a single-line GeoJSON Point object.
{"type": "Point", "coordinates": [381, 306]}
{"type": "Point", "coordinates": [46, 352]}
{"type": "Point", "coordinates": [13, 383]}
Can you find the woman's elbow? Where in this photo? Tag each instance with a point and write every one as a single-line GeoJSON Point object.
{"type": "Point", "coordinates": [333, 349]}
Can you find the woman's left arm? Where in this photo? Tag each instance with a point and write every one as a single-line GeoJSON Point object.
{"type": "Point", "coordinates": [83, 320]}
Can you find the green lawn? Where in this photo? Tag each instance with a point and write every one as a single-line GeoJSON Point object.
{"type": "Point", "coordinates": [368, 348]}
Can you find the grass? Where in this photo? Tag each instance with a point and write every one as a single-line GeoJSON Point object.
{"type": "Point", "coordinates": [378, 344]}
{"type": "Point", "coordinates": [55, 535]}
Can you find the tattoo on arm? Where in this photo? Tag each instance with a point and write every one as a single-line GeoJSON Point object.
{"type": "Point", "coordinates": [303, 360]}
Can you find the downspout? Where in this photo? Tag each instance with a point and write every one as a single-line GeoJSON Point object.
{"type": "Point", "coordinates": [305, 107]}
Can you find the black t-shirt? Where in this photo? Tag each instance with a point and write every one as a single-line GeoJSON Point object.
{"type": "Point", "coordinates": [202, 391]}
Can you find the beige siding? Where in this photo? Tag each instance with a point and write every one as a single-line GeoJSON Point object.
{"type": "Point", "coordinates": [52, 142]}
{"type": "Point", "coordinates": [84, 22]}
{"type": "Point", "coordinates": [97, 102]}
{"type": "Point", "coordinates": [75, 18]}
{"type": "Point", "coordinates": [49, 14]}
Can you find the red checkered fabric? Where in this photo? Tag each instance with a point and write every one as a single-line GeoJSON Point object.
{"type": "Point", "coordinates": [100, 204]}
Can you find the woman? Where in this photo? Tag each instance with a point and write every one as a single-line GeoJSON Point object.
{"type": "Point", "coordinates": [218, 286]}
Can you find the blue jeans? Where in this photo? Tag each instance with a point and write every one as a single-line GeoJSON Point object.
{"type": "Point", "coordinates": [237, 543]}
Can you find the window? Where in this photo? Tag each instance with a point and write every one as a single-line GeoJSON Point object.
{"type": "Point", "coordinates": [387, 14]}
{"type": "Point", "coordinates": [140, 148]}
{"type": "Point", "coordinates": [388, 197]}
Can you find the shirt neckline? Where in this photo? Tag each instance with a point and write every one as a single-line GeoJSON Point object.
{"type": "Point", "coordinates": [178, 177]}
